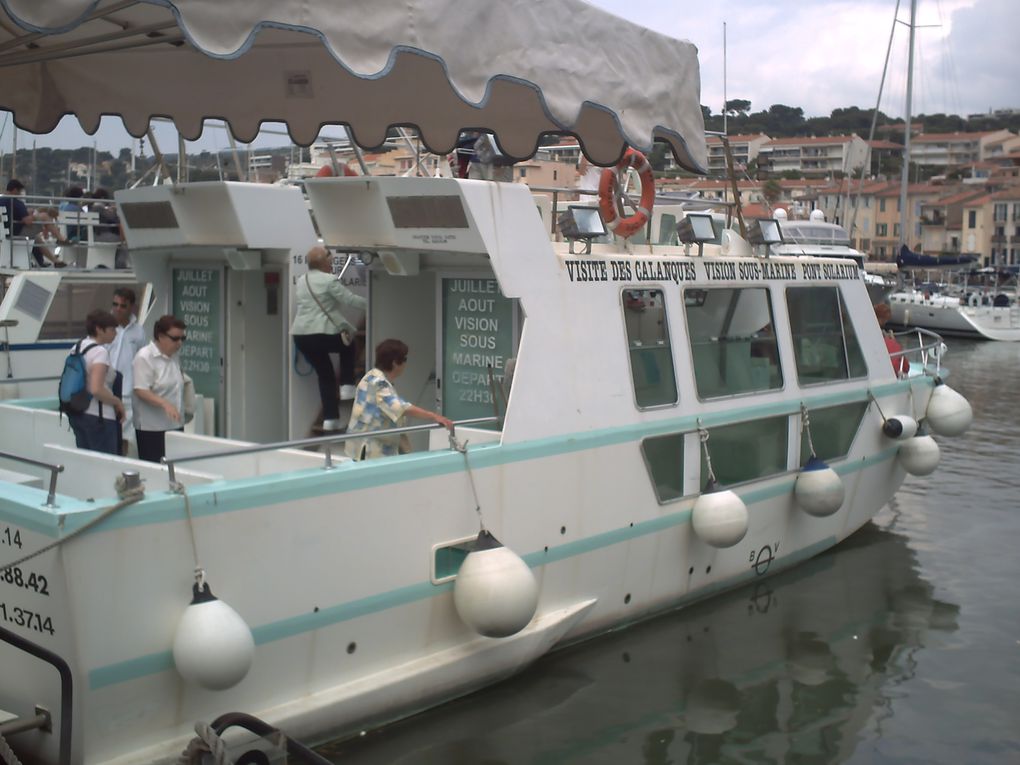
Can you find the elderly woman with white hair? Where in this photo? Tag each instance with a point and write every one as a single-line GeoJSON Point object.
{"type": "Point", "coordinates": [320, 329]}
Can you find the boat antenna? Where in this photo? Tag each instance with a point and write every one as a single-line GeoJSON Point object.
{"type": "Point", "coordinates": [871, 131]}
{"type": "Point", "coordinates": [724, 109]}
{"type": "Point", "coordinates": [905, 179]}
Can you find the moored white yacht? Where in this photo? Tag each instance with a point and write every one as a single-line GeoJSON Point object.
{"type": "Point", "coordinates": [672, 419]}
{"type": "Point", "coordinates": [822, 239]}
{"type": "Point", "coordinates": [960, 309]}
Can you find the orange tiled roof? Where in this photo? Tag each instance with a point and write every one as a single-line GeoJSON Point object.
{"type": "Point", "coordinates": [713, 139]}
{"type": "Point", "coordinates": [810, 140]}
{"type": "Point", "coordinates": [941, 137]}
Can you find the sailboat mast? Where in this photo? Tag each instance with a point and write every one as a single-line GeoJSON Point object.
{"type": "Point", "coordinates": [905, 180]}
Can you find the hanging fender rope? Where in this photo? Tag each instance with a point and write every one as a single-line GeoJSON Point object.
{"type": "Point", "coordinates": [805, 427]}
{"type": "Point", "coordinates": [611, 195]}
{"type": "Point", "coordinates": [457, 446]}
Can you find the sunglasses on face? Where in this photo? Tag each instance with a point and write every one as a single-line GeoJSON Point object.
{"type": "Point", "coordinates": [177, 338]}
{"type": "Point", "coordinates": [120, 305]}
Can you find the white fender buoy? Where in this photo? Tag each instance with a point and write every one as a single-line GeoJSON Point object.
{"type": "Point", "coordinates": [495, 592]}
{"type": "Point", "coordinates": [213, 647]}
{"type": "Point", "coordinates": [919, 455]}
{"type": "Point", "coordinates": [900, 427]}
{"type": "Point", "coordinates": [719, 517]}
{"type": "Point", "coordinates": [948, 413]}
{"type": "Point", "coordinates": [819, 490]}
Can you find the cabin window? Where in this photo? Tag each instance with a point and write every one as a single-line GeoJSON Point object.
{"type": "Point", "coordinates": [747, 451]}
{"type": "Point", "coordinates": [732, 343]}
{"type": "Point", "coordinates": [651, 360]}
{"type": "Point", "coordinates": [72, 303]}
{"type": "Point", "coordinates": [664, 458]}
{"type": "Point", "coordinates": [667, 229]}
{"type": "Point", "coordinates": [832, 431]}
{"type": "Point", "coordinates": [824, 342]}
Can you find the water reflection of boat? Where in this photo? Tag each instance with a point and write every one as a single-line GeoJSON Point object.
{"type": "Point", "coordinates": [790, 667]}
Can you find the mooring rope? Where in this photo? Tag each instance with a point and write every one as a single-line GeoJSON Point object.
{"type": "Point", "coordinates": [207, 741]}
{"type": "Point", "coordinates": [127, 497]}
{"type": "Point", "coordinates": [7, 754]}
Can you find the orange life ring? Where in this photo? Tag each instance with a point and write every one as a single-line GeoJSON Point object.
{"type": "Point", "coordinates": [609, 185]}
{"type": "Point", "coordinates": [326, 171]}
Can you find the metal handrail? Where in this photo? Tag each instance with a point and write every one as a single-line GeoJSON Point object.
{"type": "Point", "coordinates": [931, 349]}
{"type": "Point", "coordinates": [13, 380]}
{"type": "Point", "coordinates": [326, 441]}
{"type": "Point", "coordinates": [54, 469]}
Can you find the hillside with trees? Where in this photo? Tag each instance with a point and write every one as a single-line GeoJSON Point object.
{"type": "Point", "coordinates": [47, 171]}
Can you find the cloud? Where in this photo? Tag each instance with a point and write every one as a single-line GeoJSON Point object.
{"type": "Point", "coordinates": [828, 54]}
{"type": "Point", "coordinates": [982, 57]}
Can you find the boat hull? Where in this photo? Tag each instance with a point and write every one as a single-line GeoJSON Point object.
{"type": "Point", "coordinates": [946, 315]}
{"type": "Point", "coordinates": [336, 572]}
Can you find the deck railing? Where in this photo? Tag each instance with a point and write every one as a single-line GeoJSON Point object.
{"type": "Point", "coordinates": [325, 441]}
{"type": "Point", "coordinates": [51, 495]}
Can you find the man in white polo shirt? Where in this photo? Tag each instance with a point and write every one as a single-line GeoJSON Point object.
{"type": "Point", "coordinates": [158, 388]}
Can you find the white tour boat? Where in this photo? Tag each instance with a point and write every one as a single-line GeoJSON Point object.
{"type": "Point", "coordinates": [639, 426]}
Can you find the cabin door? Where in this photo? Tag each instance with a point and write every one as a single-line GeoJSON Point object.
{"type": "Point", "coordinates": [256, 356]}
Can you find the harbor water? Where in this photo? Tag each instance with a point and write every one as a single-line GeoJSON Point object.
{"type": "Point", "coordinates": [901, 645]}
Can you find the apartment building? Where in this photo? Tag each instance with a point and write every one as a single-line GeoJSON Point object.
{"type": "Point", "coordinates": [886, 235]}
{"type": "Point", "coordinates": [818, 156]}
{"type": "Point", "coordinates": [946, 149]}
{"type": "Point", "coordinates": [942, 222]}
{"type": "Point", "coordinates": [1004, 239]}
{"type": "Point", "coordinates": [838, 201]}
{"type": "Point", "coordinates": [744, 149]}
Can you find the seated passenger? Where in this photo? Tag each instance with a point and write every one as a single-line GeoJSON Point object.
{"type": "Point", "coordinates": [73, 209]}
{"type": "Point", "coordinates": [899, 363]}
{"type": "Point", "coordinates": [35, 224]}
{"type": "Point", "coordinates": [377, 406]}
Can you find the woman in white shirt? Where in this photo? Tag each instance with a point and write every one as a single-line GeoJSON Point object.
{"type": "Point", "coordinates": [96, 428]}
{"type": "Point", "coordinates": [158, 388]}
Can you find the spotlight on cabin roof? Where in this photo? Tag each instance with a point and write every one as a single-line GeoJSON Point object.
{"type": "Point", "coordinates": [579, 223]}
{"type": "Point", "coordinates": [764, 231]}
{"type": "Point", "coordinates": [696, 228]}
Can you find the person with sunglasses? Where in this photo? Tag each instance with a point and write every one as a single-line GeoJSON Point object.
{"type": "Point", "coordinates": [130, 339]}
{"type": "Point", "coordinates": [158, 388]}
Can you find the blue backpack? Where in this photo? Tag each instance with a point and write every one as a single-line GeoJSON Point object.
{"type": "Point", "coordinates": [73, 390]}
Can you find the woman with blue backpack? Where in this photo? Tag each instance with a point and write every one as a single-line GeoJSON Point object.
{"type": "Point", "coordinates": [89, 386]}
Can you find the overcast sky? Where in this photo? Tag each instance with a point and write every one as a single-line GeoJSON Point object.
{"type": "Point", "coordinates": [815, 54]}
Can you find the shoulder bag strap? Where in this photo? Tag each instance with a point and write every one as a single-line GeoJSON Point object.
{"type": "Point", "coordinates": [311, 292]}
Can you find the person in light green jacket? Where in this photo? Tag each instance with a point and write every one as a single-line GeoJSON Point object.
{"type": "Point", "coordinates": [320, 329]}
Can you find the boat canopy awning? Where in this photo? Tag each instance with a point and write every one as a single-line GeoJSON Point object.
{"type": "Point", "coordinates": [908, 259]}
{"type": "Point", "coordinates": [518, 68]}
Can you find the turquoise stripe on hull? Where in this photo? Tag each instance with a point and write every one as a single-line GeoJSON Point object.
{"type": "Point", "coordinates": [133, 669]}
{"type": "Point", "coordinates": [242, 494]}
